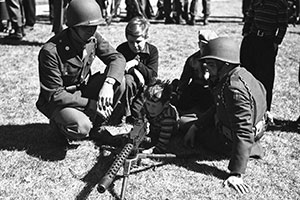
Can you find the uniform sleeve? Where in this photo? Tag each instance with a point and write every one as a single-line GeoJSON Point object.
{"type": "Point", "coordinates": [238, 107]}
{"type": "Point", "coordinates": [150, 69]}
{"type": "Point", "coordinates": [52, 88]}
{"type": "Point", "coordinates": [114, 60]}
{"type": "Point", "coordinates": [186, 75]}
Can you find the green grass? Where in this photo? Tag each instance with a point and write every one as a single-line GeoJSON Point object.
{"type": "Point", "coordinates": [36, 165]}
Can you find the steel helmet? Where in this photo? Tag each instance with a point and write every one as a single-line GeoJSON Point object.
{"type": "Point", "coordinates": [223, 49]}
{"type": "Point", "coordinates": [83, 13]}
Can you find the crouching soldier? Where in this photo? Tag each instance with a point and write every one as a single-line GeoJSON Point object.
{"type": "Point", "coordinates": [238, 113]}
{"type": "Point", "coordinates": [70, 96]}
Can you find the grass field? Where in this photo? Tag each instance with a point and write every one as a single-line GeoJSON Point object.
{"type": "Point", "coordinates": [34, 165]}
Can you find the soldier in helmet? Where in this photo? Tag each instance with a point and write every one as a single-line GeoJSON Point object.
{"type": "Point", "coordinates": [238, 115]}
{"type": "Point", "coordinates": [70, 96]}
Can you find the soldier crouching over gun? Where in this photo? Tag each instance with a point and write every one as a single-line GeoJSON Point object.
{"type": "Point", "coordinates": [162, 118]}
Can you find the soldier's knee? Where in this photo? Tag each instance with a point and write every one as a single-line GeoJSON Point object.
{"type": "Point", "coordinates": [78, 130]}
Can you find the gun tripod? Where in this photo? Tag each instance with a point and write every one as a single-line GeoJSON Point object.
{"type": "Point", "coordinates": [128, 163]}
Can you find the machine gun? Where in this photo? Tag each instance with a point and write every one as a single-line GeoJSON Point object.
{"type": "Point", "coordinates": [128, 156]}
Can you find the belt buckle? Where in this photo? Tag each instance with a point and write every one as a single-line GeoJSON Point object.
{"type": "Point", "coordinates": [260, 33]}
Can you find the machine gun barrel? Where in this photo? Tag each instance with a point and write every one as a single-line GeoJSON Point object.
{"type": "Point", "coordinates": [110, 175]}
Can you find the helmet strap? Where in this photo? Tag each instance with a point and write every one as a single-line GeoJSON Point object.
{"type": "Point", "coordinates": [224, 69]}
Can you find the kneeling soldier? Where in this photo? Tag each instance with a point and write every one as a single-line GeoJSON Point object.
{"type": "Point", "coordinates": [70, 96]}
{"type": "Point", "coordinates": [238, 114]}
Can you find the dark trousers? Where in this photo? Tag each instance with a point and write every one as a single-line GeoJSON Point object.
{"type": "Point", "coordinates": [58, 16]}
{"type": "Point", "coordinates": [206, 7]}
{"type": "Point", "coordinates": [245, 6]}
{"type": "Point", "coordinates": [168, 8]}
{"type": "Point", "coordinates": [29, 12]}
{"type": "Point", "coordinates": [213, 140]}
{"type": "Point", "coordinates": [133, 98]}
{"type": "Point", "coordinates": [258, 56]}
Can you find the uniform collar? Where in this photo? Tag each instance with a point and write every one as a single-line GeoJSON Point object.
{"type": "Point", "coordinates": [145, 51]}
{"type": "Point", "coordinates": [76, 41]}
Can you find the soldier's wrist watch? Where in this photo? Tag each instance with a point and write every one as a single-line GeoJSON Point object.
{"type": "Point", "coordinates": [110, 81]}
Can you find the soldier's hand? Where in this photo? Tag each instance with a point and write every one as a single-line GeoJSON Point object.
{"type": "Point", "coordinates": [131, 63]}
{"type": "Point", "coordinates": [106, 96]}
{"type": "Point", "coordinates": [189, 138]}
{"type": "Point", "coordinates": [106, 112]}
{"type": "Point", "coordinates": [93, 110]}
{"type": "Point", "coordinates": [148, 151]}
{"type": "Point", "coordinates": [237, 183]}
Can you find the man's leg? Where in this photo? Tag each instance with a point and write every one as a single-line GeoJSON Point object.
{"type": "Point", "coordinates": [246, 53]}
{"type": "Point", "coordinates": [30, 13]}
{"type": "Point", "coordinates": [193, 5]}
{"type": "Point", "coordinates": [168, 10]}
{"type": "Point", "coordinates": [58, 16]}
{"type": "Point", "coordinates": [15, 14]}
{"type": "Point", "coordinates": [205, 11]}
{"type": "Point", "coordinates": [265, 68]}
{"type": "Point", "coordinates": [73, 123]}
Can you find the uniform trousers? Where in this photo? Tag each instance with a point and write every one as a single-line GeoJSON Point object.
{"type": "Point", "coordinates": [76, 123]}
{"type": "Point", "coordinates": [258, 56]}
{"type": "Point", "coordinates": [215, 141]}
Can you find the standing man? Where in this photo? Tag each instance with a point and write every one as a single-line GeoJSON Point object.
{"type": "Point", "coordinates": [70, 96]}
{"type": "Point", "coordinates": [240, 106]}
{"type": "Point", "coordinates": [263, 31]}
{"type": "Point", "coordinates": [14, 8]}
{"type": "Point", "coordinates": [187, 10]}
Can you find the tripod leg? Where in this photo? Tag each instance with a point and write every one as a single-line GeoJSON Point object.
{"type": "Point", "coordinates": [126, 172]}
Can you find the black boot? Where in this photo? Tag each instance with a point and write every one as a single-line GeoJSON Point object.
{"type": "Point", "coordinates": [191, 20]}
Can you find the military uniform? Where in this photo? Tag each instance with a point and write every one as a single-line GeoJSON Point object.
{"type": "Point", "coordinates": [66, 81]}
{"type": "Point", "coordinates": [240, 106]}
{"type": "Point", "coordinates": [192, 87]}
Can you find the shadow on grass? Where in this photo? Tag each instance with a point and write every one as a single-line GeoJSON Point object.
{"type": "Point", "coordinates": [4, 41]}
{"type": "Point", "coordinates": [187, 158]}
{"type": "Point", "coordinates": [36, 139]}
{"type": "Point", "coordinates": [191, 160]}
{"type": "Point", "coordinates": [93, 177]}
